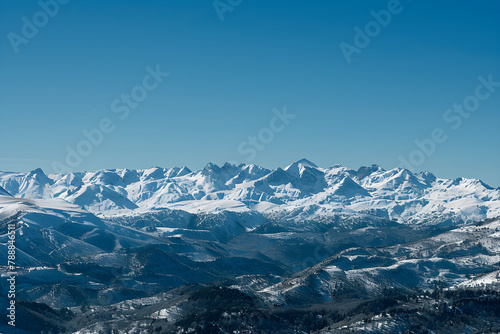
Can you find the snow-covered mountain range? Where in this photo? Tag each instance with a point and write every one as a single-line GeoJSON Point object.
{"type": "Point", "coordinates": [146, 247]}
{"type": "Point", "coordinates": [300, 191]}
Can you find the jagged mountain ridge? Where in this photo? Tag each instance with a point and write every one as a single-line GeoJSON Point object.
{"type": "Point", "coordinates": [302, 190]}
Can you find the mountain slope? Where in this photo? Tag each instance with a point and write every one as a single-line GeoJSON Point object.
{"type": "Point", "coordinates": [467, 256]}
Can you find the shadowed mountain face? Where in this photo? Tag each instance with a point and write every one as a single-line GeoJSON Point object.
{"type": "Point", "coordinates": [4, 192]}
{"type": "Point", "coordinates": [243, 248]}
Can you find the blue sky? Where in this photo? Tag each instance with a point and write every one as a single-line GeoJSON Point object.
{"type": "Point", "coordinates": [226, 77]}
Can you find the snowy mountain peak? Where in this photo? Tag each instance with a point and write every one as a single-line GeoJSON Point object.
{"type": "Point", "coordinates": [39, 175]}
{"type": "Point", "coordinates": [37, 171]}
{"type": "Point", "coordinates": [129, 176]}
{"type": "Point", "coordinates": [183, 171]}
{"type": "Point", "coordinates": [366, 171]}
{"type": "Point", "coordinates": [297, 168]}
{"type": "Point", "coordinates": [349, 188]}
{"type": "Point", "coordinates": [427, 177]}
{"type": "Point", "coordinates": [302, 163]}
{"type": "Point", "coordinates": [307, 162]}
{"type": "Point", "coordinates": [153, 173]}
{"type": "Point", "coordinates": [211, 169]}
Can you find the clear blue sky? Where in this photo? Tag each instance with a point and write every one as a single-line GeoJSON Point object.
{"type": "Point", "coordinates": [227, 76]}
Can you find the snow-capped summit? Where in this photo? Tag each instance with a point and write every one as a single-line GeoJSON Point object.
{"type": "Point", "coordinates": [299, 166]}
{"type": "Point", "coordinates": [367, 171]}
{"type": "Point", "coordinates": [211, 169]}
{"type": "Point", "coordinates": [154, 173]}
{"type": "Point", "coordinates": [39, 176]}
{"type": "Point", "coordinates": [183, 171]}
{"type": "Point", "coordinates": [349, 188]}
{"type": "Point", "coordinates": [35, 184]}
